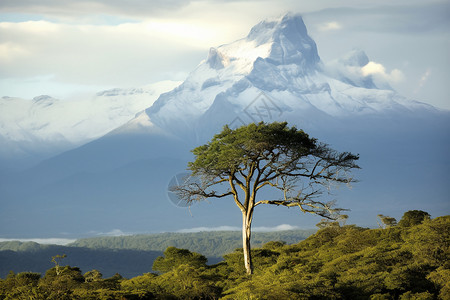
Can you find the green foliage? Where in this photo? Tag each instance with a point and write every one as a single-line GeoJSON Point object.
{"type": "Point", "coordinates": [416, 296]}
{"type": "Point", "coordinates": [429, 242]}
{"type": "Point", "coordinates": [145, 283]}
{"type": "Point", "coordinates": [21, 286]}
{"type": "Point", "coordinates": [441, 279]}
{"type": "Point", "coordinates": [413, 217]}
{"type": "Point", "coordinates": [59, 283]}
{"type": "Point", "coordinates": [188, 282]}
{"type": "Point", "coordinates": [236, 149]}
{"type": "Point", "coordinates": [387, 221]}
{"type": "Point", "coordinates": [21, 246]}
{"type": "Point", "coordinates": [93, 276]}
{"type": "Point", "coordinates": [174, 257]}
{"type": "Point", "coordinates": [355, 263]}
{"type": "Point", "coordinates": [338, 262]}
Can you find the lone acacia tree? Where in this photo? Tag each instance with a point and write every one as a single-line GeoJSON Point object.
{"type": "Point", "coordinates": [257, 156]}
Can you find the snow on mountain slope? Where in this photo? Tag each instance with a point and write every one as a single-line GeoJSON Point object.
{"type": "Point", "coordinates": [45, 122]}
{"type": "Point", "coordinates": [76, 121]}
{"type": "Point", "coordinates": [279, 59]}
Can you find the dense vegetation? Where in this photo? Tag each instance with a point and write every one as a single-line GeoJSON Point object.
{"type": "Point", "coordinates": [210, 244]}
{"type": "Point", "coordinates": [405, 261]}
{"type": "Point", "coordinates": [130, 255]}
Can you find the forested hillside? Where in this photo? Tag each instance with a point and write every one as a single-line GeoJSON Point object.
{"type": "Point", "coordinates": [405, 261]}
{"type": "Point", "coordinates": [130, 255]}
{"type": "Point", "coordinates": [209, 243]}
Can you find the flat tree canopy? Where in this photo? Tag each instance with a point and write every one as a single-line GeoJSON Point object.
{"type": "Point", "coordinates": [275, 156]}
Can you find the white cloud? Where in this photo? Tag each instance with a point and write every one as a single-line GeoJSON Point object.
{"type": "Point", "coordinates": [281, 227]}
{"type": "Point", "coordinates": [114, 232]}
{"type": "Point", "coordinates": [234, 228]}
{"type": "Point", "coordinates": [10, 52]}
{"type": "Point", "coordinates": [219, 228]}
{"type": "Point", "coordinates": [379, 72]}
{"type": "Point", "coordinates": [351, 69]}
{"type": "Point", "coordinates": [122, 55]}
{"type": "Point", "coordinates": [329, 26]}
{"type": "Point", "coordinates": [189, 33]}
{"type": "Point", "coordinates": [373, 68]}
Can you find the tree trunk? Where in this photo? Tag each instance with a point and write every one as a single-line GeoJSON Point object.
{"type": "Point", "coordinates": [246, 234]}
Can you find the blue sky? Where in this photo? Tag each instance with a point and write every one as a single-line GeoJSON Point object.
{"type": "Point", "coordinates": [73, 48]}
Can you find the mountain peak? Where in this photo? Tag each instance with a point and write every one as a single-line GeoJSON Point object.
{"type": "Point", "coordinates": [279, 59]}
{"type": "Point", "coordinates": [216, 60]}
{"type": "Point", "coordinates": [290, 41]}
{"type": "Point", "coordinates": [355, 58]}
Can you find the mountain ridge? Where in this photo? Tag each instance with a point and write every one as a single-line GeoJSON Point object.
{"type": "Point", "coordinates": [303, 82]}
{"type": "Point", "coordinates": [46, 126]}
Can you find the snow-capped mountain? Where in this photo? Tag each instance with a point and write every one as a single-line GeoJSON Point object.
{"type": "Point", "coordinates": [276, 65]}
{"type": "Point", "coordinates": [48, 124]}
{"type": "Point", "coordinates": [119, 181]}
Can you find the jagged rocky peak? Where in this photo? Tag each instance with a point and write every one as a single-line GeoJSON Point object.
{"type": "Point", "coordinates": [216, 60]}
{"type": "Point", "coordinates": [355, 58]}
{"type": "Point", "coordinates": [290, 41]}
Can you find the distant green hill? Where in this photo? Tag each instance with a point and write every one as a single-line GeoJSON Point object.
{"type": "Point", "coordinates": [209, 243]}
{"type": "Point", "coordinates": [130, 255]}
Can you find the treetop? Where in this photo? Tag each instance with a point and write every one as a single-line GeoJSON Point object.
{"type": "Point", "coordinates": [234, 149]}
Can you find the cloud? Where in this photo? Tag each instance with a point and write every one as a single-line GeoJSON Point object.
{"type": "Point", "coordinates": [195, 35]}
{"type": "Point", "coordinates": [356, 68]}
{"type": "Point", "coordinates": [11, 52]}
{"type": "Point", "coordinates": [71, 8]}
{"type": "Point", "coordinates": [281, 227]}
{"type": "Point", "coordinates": [423, 79]}
{"type": "Point", "coordinates": [201, 229]}
{"type": "Point", "coordinates": [415, 17]}
{"type": "Point", "coordinates": [128, 52]}
{"type": "Point", "coordinates": [125, 54]}
{"type": "Point", "coordinates": [114, 232]}
{"type": "Point", "coordinates": [394, 35]}
{"type": "Point", "coordinates": [329, 26]}
{"type": "Point", "coordinates": [378, 71]}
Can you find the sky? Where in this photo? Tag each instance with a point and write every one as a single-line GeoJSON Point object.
{"type": "Point", "coordinates": [72, 48]}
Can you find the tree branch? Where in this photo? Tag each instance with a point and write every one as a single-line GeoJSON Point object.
{"type": "Point", "coordinates": [235, 194]}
